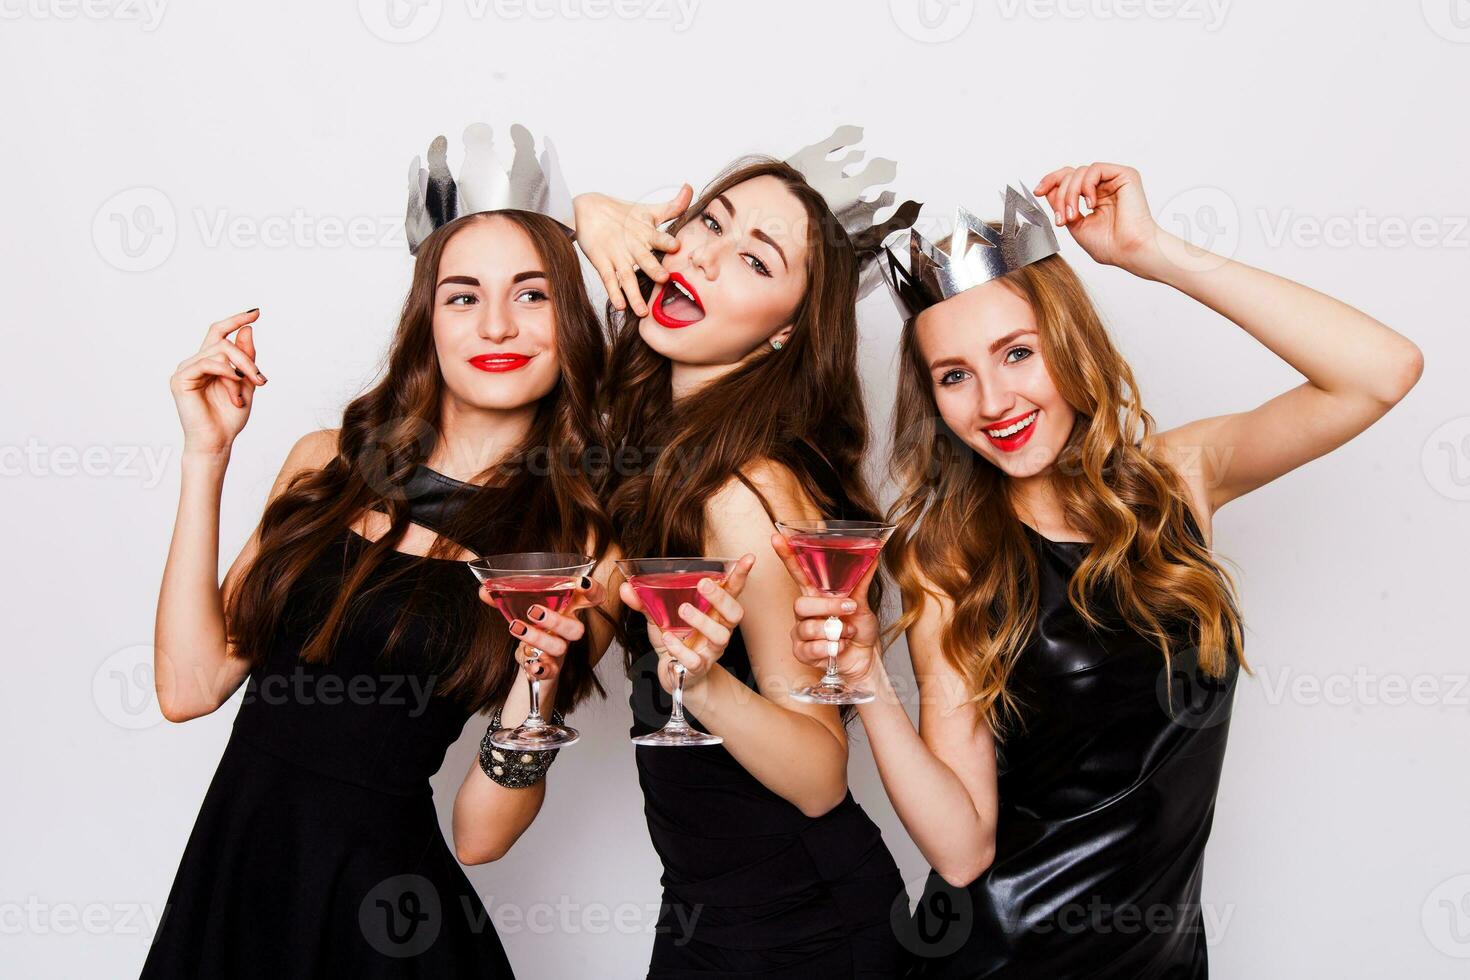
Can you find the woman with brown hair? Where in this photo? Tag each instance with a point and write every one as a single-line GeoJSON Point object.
{"type": "Point", "coordinates": [1074, 638]}
{"type": "Point", "coordinates": [354, 622]}
{"type": "Point", "coordinates": [734, 401]}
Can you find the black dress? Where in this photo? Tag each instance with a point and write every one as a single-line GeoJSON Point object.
{"type": "Point", "coordinates": [752, 887]}
{"type": "Point", "coordinates": [317, 851]}
{"type": "Point", "coordinates": [1107, 794]}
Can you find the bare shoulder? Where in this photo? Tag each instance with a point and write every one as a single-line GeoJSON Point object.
{"type": "Point", "coordinates": [311, 452]}
{"type": "Point", "coordinates": [740, 500]}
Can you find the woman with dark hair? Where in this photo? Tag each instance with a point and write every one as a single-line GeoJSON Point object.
{"type": "Point", "coordinates": [1075, 640]}
{"type": "Point", "coordinates": [353, 619]}
{"type": "Point", "coordinates": [736, 386]}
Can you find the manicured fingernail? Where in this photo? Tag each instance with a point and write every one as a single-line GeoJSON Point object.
{"type": "Point", "coordinates": [849, 606]}
{"type": "Point", "coordinates": [586, 581]}
{"type": "Point", "coordinates": [239, 373]}
{"type": "Point", "coordinates": [260, 377]}
{"type": "Point", "coordinates": [518, 628]}
{"type": "Point", "coordinates": [1071, 212]}
{"type": "Point", "coordinates": [706, 586]}
{"type": "Point", "coordinates": [250, 311]}
{"type": "Point", "coordinates": [537, 613]}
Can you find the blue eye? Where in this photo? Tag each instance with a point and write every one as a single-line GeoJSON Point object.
{"type": "Point", "coordinates": [755, 263]}
{"type": "Point", "coordinates": [710, 222]}
{"type": "Point", "coordinates": [952, 377]}
{"type": "Point", "coordinates": [1025, 352]}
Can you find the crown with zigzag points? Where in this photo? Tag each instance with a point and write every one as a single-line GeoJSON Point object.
{"type": "Point", "coordinates": [977, 252]}
{"type": "Point", "coordinates": [843, 193]}
{"type": "Point", "coordinates": [485, 183]}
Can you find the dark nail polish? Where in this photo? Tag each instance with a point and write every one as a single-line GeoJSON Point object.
{"type": "Point", "coordinates": [239, 373]}
{"type": "Point", "coordinates": [586, 582]}
{"type": "Point", "coordinates": [518, 628]}
{"type": "Point", "coordinates": [253, 310]}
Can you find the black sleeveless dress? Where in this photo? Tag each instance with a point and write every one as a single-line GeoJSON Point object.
{"type": "Point", "coordinates": [752, 887]}
{"type": "Point", "coordinates": [317, 851]}
{"type": "Point", "coordinates": [1107, 795]}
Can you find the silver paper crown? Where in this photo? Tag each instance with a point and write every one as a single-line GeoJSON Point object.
{"type": "Point", "coordinates": [531, 183]}
{"type": "Point", "coordinates": [977, 253]}
{"type": "Point", "coordinates": [843, 193]}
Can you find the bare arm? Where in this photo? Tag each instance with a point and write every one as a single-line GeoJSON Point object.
{"type": "Point", "coordinates": [1356, 368]}
{"type": "Point", "coordinates": [488, 817]}
{"type": "Point", "coordinates": [798, 751]}
{"type": "Point", "coordinates": [941, 778]}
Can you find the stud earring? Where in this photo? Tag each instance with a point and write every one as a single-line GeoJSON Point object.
{"type": "Point", "coordinates": [776, 345]}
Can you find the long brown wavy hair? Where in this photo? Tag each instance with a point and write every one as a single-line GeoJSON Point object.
{"type": "Point", "coordinates": [800, 407]}
{"type": "Point", "coordinates": [957, 527]}
{"type": "Point", "coordinates": [543, 497]}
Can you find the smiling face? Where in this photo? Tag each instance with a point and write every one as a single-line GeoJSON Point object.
{"type": "Point", "coordinates": [981, 352]}
{"type": "Point", "coordinates": [737, 278]}
{"type": "Point", "coordinates": [494, 326]}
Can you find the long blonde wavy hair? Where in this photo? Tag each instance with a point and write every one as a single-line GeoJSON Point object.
{"type": "Point", "coordinates": [957, 528]}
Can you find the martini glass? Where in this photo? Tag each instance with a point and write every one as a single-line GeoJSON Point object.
{"type": "Point", "coordinates": [835, 555]}
{"type": "Point", "coordinates": [663, 584]}
{"type": "Point", "coordinates": [516, 583]}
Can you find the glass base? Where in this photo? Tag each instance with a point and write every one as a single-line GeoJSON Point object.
{"type": "Point", "coordinates": [534, 738]}
{"type": "Point", "coordinates": [831, 692]}
{"type": "Point", "coordinates": [677, 735]}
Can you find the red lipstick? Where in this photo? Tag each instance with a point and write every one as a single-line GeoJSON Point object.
{"type": "Point", "coordinates": [1017, 439]}
{"type": "Point", "coordinates": [677, 304]}
{"type": "Point", "coordinates": [500, 361]}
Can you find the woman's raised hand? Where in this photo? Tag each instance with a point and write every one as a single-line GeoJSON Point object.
{"type": "Point", "coordinates": [860, 642]}
{"type": "Point", "coordinates": [620, 237]}
{"type": "Point", "coordinates": [549, 631]}
{"type": "Point", "coordinates": [214, 388]}
{"type": "Point", "coordinates": [1119, 230]}
{"type": "Point", "coordinates": [701, 650]}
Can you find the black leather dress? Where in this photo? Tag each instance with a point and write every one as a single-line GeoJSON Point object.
{"type": "Point", "coordinates": [1107, 795]}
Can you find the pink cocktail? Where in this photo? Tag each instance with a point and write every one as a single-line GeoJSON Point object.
{"type": "Point", "coordinates": [663, 585]}
{"type": "Point", "coordinates": [834, 556]}
{"type": "Point", "coordinates": [517, 582]}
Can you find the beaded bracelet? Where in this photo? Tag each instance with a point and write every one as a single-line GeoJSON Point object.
{"type": "Point", "coordinates": [511, 769]}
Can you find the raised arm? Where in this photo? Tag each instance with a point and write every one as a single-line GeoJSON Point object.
{"type": "Point", "coordinates": [1356, 368]}
{"type": "Point", "coordinates": [941, 778]}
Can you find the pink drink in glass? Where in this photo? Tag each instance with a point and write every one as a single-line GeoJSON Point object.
{"type": "Point", "coordinates": [514, 595]}
{"type": "Point", "coordinates": [663, 592]}
{"type": "Point", "coordinates": [835, 563]}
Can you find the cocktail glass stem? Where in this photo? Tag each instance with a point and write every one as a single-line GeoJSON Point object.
{"type": "Point", "coordinates": [832, 629]}
{"type": "Point", "coordinates": [534, 719]}
{"type": "Point", "coordinates": [676, 716]}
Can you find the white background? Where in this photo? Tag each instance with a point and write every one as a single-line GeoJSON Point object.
{"type": "Point", "coordinates": [164, 168]}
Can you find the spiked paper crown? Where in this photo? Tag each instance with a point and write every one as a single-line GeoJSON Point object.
{"type": "Point", "coordinates": [977, 253]}
{"type": "Point", "coordinates": [531, 183]}
{"type": "Point", "coordinates": [843, 193]}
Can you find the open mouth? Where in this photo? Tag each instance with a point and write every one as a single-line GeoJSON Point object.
{"type": "Point", "coordinates": [1011, 434]}
{"type": "Point", "coordinates": [677, 304]}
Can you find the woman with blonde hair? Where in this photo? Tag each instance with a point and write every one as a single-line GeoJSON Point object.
{"type": "Point", "coordinates": [1074, 638]}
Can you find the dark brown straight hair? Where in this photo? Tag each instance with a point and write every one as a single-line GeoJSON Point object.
{"type": "Point", "coordinates": [521, 504]}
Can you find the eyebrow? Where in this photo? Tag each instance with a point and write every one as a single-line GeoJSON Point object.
{"type": "Point", "coordinates": [757, 234]}
{"type": "Point", "coordinates": [960, 361]}
{"type": "Point", "coordinates": [472, 281]}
